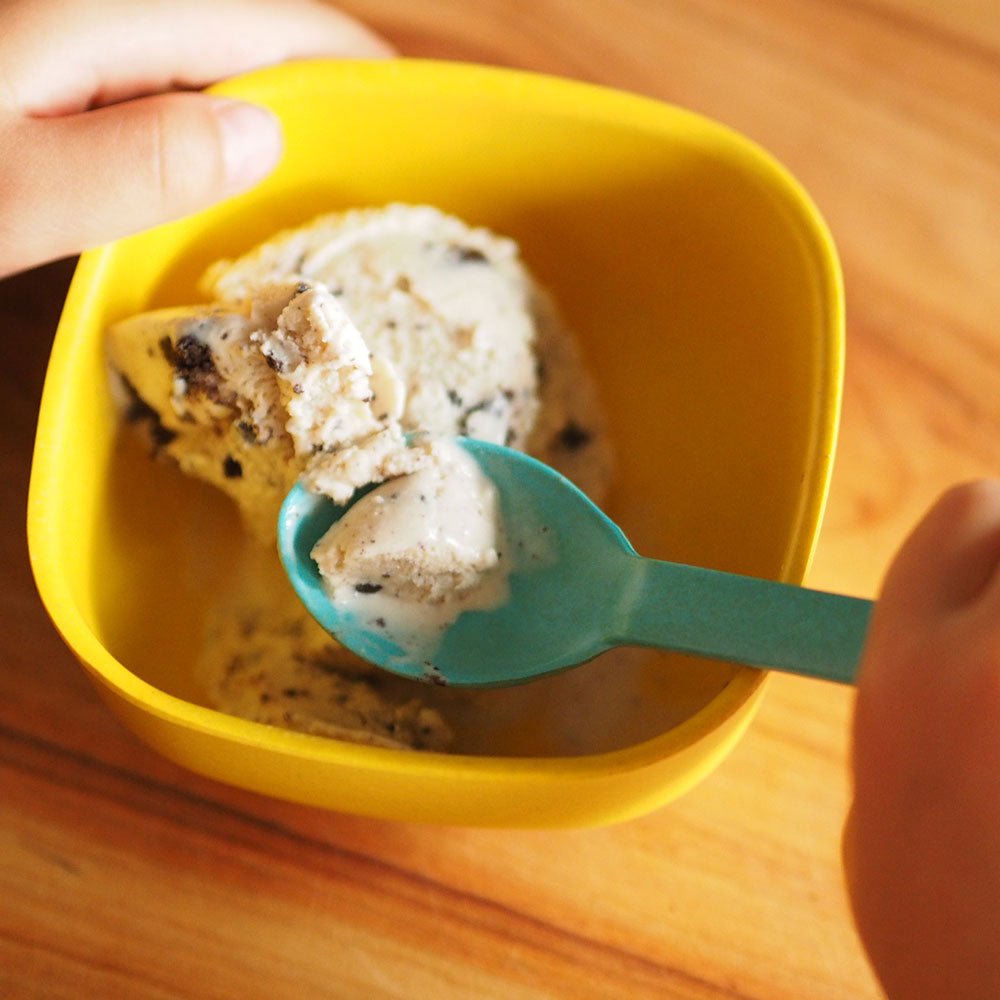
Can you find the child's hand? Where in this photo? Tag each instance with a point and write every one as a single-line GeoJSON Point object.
{"type": "Point", "coordinates": [95, 139]}
{"type": "Point", "coordinates": [922, 844]}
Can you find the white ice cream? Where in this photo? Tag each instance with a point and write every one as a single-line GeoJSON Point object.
{"type": "Point", "coordinates": [413, 554]}
{"type": "Point", "coordinates": [320, 351]}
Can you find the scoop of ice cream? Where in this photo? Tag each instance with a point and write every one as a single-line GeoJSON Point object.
{"type": "Point", "coordinates": [412, 555]}
{"type": "Point", "coordinates": [329, 342]}
{"type": "Point", "coordinates": [450, 305]}
{"type": "Point", "coordinates": [427, 537]}
{"type": "Point", "coordinates": [323, 348]}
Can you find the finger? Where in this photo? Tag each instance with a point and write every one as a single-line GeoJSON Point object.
{"type": "Point", "coordinates": [948, 565]}
{"type": "Point", "coordinates": [921, 848]}
{"type": "Point", "coordinates": [62, 56]}
{"type": "Point", "coordinates": [952, 556]}
{"type": "Point", "coordinates": [939, 598]}
{"type": "Point", "coordinates": [80, 180]}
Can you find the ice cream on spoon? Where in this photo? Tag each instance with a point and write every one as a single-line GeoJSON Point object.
{"type": "Point", "coordinates": [418, 551]}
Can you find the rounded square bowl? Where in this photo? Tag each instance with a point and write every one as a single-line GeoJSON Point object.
{"type": "Point", "coordinates": [705, 290]}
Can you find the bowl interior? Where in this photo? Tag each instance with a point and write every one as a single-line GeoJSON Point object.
{"type": "Point", "coordinates": [699, 280]}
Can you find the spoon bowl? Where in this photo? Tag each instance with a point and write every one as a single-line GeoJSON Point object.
{"type": "Point", "coordinates": [578, 588]}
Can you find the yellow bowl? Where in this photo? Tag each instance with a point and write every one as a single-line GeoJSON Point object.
{"type": "Point", "coordinates": [706, 292]}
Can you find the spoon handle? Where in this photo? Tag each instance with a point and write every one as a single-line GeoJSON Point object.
{"type": "Point", "coordinates": [744, 619]}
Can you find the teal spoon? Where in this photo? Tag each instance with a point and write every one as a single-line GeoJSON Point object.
{"type": "Point", "coordinates": [591, 592]}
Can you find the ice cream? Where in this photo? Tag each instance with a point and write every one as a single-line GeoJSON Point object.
{"type": "Point", "coordinates": [318, 352]}
{"type": "Point", "coordinates": [413, 554]}
{"type": "Point", "coordinates": [265, 662]}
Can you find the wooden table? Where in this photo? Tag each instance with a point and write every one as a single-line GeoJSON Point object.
{"type": "Point", "coordinates": [122, 876]}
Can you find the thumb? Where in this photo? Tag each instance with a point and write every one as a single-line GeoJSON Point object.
{"type": "Point", "coordinates": [77, 181]}
{"type": "Point", "coordinates": [922, 843]}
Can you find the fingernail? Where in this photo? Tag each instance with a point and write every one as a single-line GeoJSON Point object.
{"type": "Point", "coordinates": [251, 142]}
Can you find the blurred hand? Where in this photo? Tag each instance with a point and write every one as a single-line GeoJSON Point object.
{"type": "Point", "coordinates": [922, 844]}
{"type": "Point", "coordinates": [101, 130]}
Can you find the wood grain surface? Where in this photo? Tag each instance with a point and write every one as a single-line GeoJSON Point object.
{"type": "Point", "coordinates": [122, 876]}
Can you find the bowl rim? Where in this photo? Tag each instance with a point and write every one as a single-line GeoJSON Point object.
{"type": "Point", "coordinates": [544, 93]}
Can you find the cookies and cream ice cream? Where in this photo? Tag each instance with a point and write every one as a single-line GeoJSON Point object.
{"type": "Point", "coordinates": [416, 552]}
{"type": "Point", "coordinates": [317, 353]}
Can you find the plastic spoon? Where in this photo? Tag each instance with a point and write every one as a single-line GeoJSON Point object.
{"type": "Point", "coordinates": [591, 592]}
